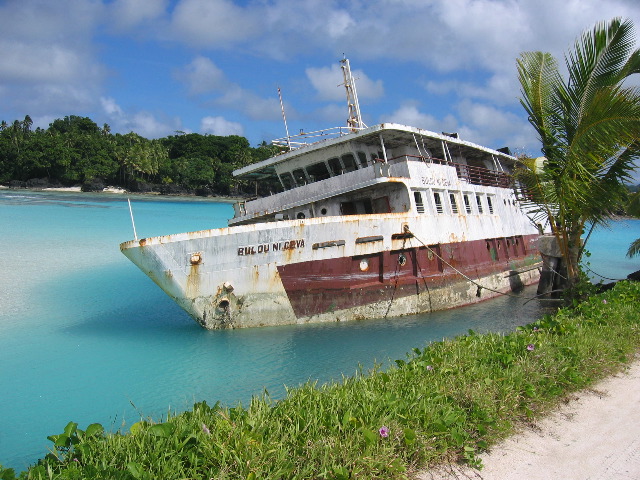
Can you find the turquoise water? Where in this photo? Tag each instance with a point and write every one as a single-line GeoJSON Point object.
{"type": "Point", "coordinates": [85, 336]}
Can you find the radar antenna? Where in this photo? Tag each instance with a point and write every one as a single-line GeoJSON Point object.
{"type": "Point", "coordinates": [355, 120]}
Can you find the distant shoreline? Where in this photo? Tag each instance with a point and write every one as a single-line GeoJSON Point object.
{"type": "Point", "coordinates": [122, 191]}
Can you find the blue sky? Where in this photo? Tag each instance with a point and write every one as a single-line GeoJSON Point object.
{"type": "Point", "coordinates": [213, 66]}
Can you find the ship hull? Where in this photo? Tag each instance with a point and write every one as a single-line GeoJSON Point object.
{"type": "Point", "coordinates": [337, 269]}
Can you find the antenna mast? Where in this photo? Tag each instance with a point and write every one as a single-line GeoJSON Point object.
{"type": "Point", "coordinates": [354, 121]}
{"type": "Point", "coordinates": [285, 119]}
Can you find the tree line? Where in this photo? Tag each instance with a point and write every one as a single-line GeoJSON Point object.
{"type": "Point", "coordinates": [74, 150]}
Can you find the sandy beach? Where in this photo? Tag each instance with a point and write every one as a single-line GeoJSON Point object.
{"type": "Point", "coordinates": [79, 189]}
{"type": "Point", "coordinates": [595, 435]}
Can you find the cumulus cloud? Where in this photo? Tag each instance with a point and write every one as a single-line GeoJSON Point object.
{"type": "Point", "coordinates": [127, 14]}
{"type": "Point", "coordinates": [47, 59]}
{"type": "Point", "coordinates": [409, 114]}
{"type": "Point", "coordinates": [475, 122]}
{"type": "Point", "coordinates": [488, 125]}
{"type": "Point", "coordinates": [111, 108]}
{"type": "Point", "coordinates": [202, 76]}
{"type": "Point", "coordinates": [220, 126]}
{"type": "Point", "coordinates": [254, 106]}
{"type": "Point", "coordinates": [328, 83]}
{"type": "Point", "coordinates": [144, 123]}
{"type": "Point", "coordinates": [214, 23]}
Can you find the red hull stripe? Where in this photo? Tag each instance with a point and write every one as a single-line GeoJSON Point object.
{"type": "Point", "coordinates": [321, 286]}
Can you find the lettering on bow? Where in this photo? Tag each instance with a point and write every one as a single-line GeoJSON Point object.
{"type": "Point", "coordinates": [267, 247]}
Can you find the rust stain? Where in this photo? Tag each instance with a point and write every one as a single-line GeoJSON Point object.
{"type": "Point", "coordinates": [193, 282]}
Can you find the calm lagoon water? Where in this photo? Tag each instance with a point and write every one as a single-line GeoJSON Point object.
{"type": "Point", "coordinates": [85, 336]}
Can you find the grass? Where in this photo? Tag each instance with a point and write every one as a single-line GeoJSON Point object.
{"type": "Point", "coordinates": [445, 402]}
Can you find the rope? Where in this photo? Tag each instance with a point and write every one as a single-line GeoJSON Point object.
{"type": "Point", "coordinates": [395, 286]}
{"type": "Point", "coordinates": [603, 277]}
{"type": "Point", "coordinates": [480, 287]}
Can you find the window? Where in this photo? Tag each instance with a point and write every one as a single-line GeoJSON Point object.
{"type": "Point", "coordinates": [490, 205]}
{"type": "Point", "coordinates": [454, 204]}
{"type": "Point", "coordinates": [334, 166]}
{"type": "Point", "coordinates": [479, 202]}
{"type": "Point", "coordinates": [349, 162]}
{"type": "Point", "coordinates": [381, 205]}
{"type": "Point", "coordinates": [362, 157]}
{"type": "Point", "coordinates": [467, 203]}
{"type": "Point", "coordinates": [376, 156]}
{"type": "Point", "coordinates": [287, 180]}
{"type": "Point", "coordinates": [438, 200]}
{"type": "Point", "coordinates": [317, 171]}
{"type": "Point", "coordinates": [299, 177]}
{"type": "Point", "coordinates": [419, 205]}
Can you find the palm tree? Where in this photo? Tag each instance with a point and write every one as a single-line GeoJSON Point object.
{"type": "Point", "coordinates": [634, 209]}
{"type": "Point", "coordinates": [589, 128]}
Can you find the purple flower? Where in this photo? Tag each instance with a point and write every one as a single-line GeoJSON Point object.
{"type": "Point", "coordinates": [205, 429]}
{"type": "Point", "coordinates": [604, 301]}
{"type": "Point", "coordinates": [429, 367]}
{"type": "Point", "coordinates": [531, 347]}
{"type": "Point", "coordinates": [384, 432]}
{"type": "Point", "coordinates": [535, 329]}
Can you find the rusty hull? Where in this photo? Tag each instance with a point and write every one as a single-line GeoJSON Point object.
{"type": "Point", "coordinates": [337, 268]}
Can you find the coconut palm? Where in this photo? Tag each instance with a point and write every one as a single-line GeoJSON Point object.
{"type": "Point", "coordinates": [634, 209]}
{"type": "Point", "coordinates": [589, 127]}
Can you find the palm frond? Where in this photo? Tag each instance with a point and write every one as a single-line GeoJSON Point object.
{"type": "Point", "coordinates": [633, 208]}
{"type": "Point", "coordinates": [634, 249]}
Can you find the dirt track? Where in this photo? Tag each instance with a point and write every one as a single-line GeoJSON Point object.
{"type": "Point", "coordinates": [595, 436]}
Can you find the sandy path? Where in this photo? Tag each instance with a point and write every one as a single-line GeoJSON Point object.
{"type": "Point", "coordinates": [595, 436]}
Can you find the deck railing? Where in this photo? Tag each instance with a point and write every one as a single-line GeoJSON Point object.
{"type": "Point", "coordinates": [470, 173]}
{"type": "Point", "coordinates": [306, 138]}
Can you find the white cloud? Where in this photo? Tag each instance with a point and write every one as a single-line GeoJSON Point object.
{"type": "Point", "coordinates": [329, 83]}
{"type": "Point", "coordinates": [255, 107]}
{"type": "Point", "coordinates": [147, 125]}
{"type": "Point", "coordinates": [213, 23]}
{"type": "Point", "coordinates": [127, 14]}
{"type": "Point", "coordinates": [220, 126]}
{"type": "Point", "coordinates": [475, 122]}
{"type": "Point", "coordinates": [339, 23]}
{"type": "Point", "coordinates": [202, 76]}
{"type": "Point", "coordinates": [144, 123]}
{"type": "Point", "coordinates": [408, 114]}
{"type": "Point", "coordinates": [111, 108]}
{"type": "Point", "coordinates": [47, 61]}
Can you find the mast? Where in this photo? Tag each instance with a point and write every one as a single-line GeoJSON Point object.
{"type": "Point", "coordinates": [354, 121]}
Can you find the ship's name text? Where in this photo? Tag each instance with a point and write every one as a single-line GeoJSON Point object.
{"type": "Point", "coordinates": [267, 247]}
{"type": "Point", "coordinates": [441, 182]}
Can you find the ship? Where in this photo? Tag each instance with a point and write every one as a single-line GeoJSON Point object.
{"type": "Point", "coordinates": [368, 222]}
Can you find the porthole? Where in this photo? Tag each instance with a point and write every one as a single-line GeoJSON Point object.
{"type": "Point", "coordinates": [364, 265]}
{"type": "Point", "coordinates": [323, 211]}
{"type": "Point", "coordinates": [300, 215]}
{"type": "Point", "coordinates": [402, 259]}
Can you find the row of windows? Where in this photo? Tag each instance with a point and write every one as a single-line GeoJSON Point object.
{"type": "Point", "coordinates": [439, 199]}
{"type": "Point", "coordinates": [326, 168]}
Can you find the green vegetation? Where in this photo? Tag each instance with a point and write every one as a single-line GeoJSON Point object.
{"type": "Point", "coordinates": [634, 209]}
{"type": "Point", "coordinates": [447, 401]}
{"type": "Point", "coordinates": [75, 151]}
{"type": "Point", "coordinates": [589, 128]}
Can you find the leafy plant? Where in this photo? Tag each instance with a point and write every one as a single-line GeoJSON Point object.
{"type": "Point", "coordinates": [589, 127]}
